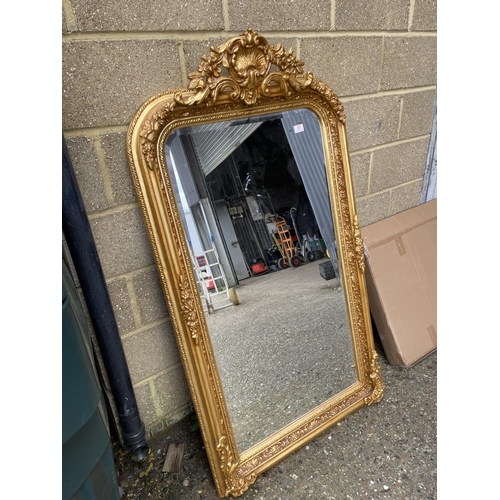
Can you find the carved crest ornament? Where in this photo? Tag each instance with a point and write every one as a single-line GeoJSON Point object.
{"type": "Point", "coordinates": [245, 76]}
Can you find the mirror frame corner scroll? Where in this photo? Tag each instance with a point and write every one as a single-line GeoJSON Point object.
{"type": "Point", "coordinates": [237, 80]}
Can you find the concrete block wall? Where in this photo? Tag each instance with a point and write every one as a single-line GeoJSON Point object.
{"type": "Point", "coordinates": [379, 56]}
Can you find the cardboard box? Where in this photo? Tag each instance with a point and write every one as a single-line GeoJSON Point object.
{"type": "Point", "coordinates": [401, 278]}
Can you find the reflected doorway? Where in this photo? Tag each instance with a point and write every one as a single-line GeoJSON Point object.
{"type": "Point", "coordinates": [247, 174]}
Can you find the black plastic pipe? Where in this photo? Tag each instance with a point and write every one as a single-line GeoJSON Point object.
{"type": "Point", "coordinates": [85, 258]}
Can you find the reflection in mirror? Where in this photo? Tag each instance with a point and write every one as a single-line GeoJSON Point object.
{"type": "Point", "coordinates": [253, 198]}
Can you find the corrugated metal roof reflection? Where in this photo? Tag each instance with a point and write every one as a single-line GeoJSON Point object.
{"type": "Point", "coordinates": [214, 142]}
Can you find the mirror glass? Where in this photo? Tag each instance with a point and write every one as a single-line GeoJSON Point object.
{"type": "Point", "coordinates": [253, 198]}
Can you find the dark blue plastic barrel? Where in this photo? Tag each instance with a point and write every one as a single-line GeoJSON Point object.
{"type": "Point", "coordinates": [88, 468]}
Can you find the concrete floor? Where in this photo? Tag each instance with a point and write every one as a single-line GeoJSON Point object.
{"type": "Point", "coordinates": [387, 450]}
{"type": "Point", "coordinates": [282, 351]}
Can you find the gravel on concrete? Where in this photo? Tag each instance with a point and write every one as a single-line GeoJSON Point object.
{"type": "Point", "coordinates": [387, 450]}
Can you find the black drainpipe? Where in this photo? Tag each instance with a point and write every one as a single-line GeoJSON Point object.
{"type": "Point", "coordinates": [83, 251]}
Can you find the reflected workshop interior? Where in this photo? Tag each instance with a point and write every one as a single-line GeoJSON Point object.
{"type": "Point", "coordinates": [253, 196]}
{"type": "Point", "coordinates": [254, 199]}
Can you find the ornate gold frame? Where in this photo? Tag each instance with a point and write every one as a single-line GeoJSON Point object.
{"type": "Point", "coordinates": [235, 81]}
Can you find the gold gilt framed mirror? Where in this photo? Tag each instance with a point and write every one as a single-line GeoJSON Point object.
{"type": "Point", "coordinates": [244, 183]}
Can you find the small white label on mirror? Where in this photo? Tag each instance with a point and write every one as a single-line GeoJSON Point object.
{"type": "Point", "coordinates": [298, 128]}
